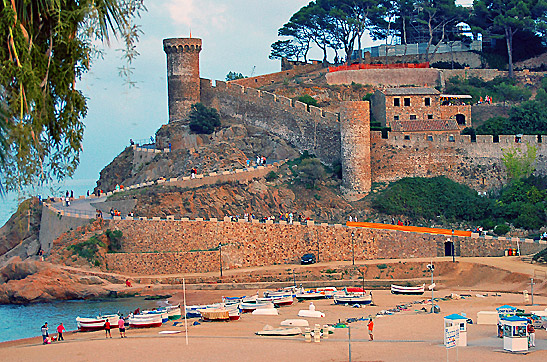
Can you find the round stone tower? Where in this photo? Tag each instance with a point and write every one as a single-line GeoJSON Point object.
{"type": "Point", "coordinates": [182, 75]}
{"type": "Point", "coordinates": [355, 148]}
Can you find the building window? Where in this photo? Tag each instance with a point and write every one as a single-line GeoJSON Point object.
{"type": "Point", "coordinates": [396, 102]}
{"type": "Point", "coordinates": [429, 116]}
{"type": "Point", "coordinates": [430, 138]}
{"type": "Point", "coordinates": [451, 138]}
{"type": "Point", "coordinates": [395, 118]}
{"type": "Point", "coordinates": [407, 102]}
{"type": "Point", "coordinates": [407, 137]}
{"type": "Point", "coordinates": [427, 101]}
{"type": "Point", "coordinates": [412, 117]}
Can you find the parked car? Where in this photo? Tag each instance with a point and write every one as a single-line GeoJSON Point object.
{"type": "Point", "coordinates": [308, 259]}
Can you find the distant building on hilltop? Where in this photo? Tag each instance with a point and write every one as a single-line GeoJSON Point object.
{"type": "Point", "coordinates": [420, 109]}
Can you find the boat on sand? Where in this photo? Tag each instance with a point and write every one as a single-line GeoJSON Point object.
{"type": "Point", "coordinates": [398, 289]}
{"type": "Point", "coordinates": [97, 323]}
{"type": "Point", "coordinates": [282, 331]}
{"type": "Point", "coordinates": [145, 321]}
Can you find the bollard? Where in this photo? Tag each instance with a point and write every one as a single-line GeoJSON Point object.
{"type": "Point", "coordinates": [307, 335]}
{"type": "Point", "coordinates": [317, 333]}
{"type": "Point", "coordinates": [325, 331]}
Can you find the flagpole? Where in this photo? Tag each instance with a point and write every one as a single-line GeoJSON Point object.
{"type": "Point", "coordinates": [185, 320]}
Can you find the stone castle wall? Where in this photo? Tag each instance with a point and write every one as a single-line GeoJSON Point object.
{"type": "Point", "coordinates": [305, 127]}
{"type": "Point", "coordinates": [169, 247]}
{"type": "Point", "coordinates": [476, 164]}
{"type": "Point", "coordinates": [278, 77]}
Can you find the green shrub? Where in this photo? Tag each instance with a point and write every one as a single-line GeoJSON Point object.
{"type": "Point", "coordinates": [381, 266]}
{"type": "Point", "coordinates": [311, 171]}
{"type": "Point", "coordinates": [115, 238]}
{"type": "Point", "coordinates": [368, 97]}
{"type": "Point", "coordinates": [309, 100]}
{"type": "Point", "coordinates": [203, 120]}
{"type": "Point", "coordinates": [540, 256]}
{"type": "Point", "coordinates": [501, 229]}
{"type": "Point", "coordinates": [271, 176]}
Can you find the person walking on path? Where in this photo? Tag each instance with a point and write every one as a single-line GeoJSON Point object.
{"type": "Point", "coordinates": [370, 326]}
{"type": "Point", "coordinates": [60, 330]}
{"type": "Point", "coordinates": [45, 333]}
{"type": "Point", "coordinates": [107, 329]}
{"type": "Point", "coordinates": [121, 327]}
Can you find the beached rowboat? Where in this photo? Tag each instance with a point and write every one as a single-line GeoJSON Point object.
{"type": "Point", "coordinates": [353, 299]}
{"type": "Point", "coordinates": [277, 301]}
{"type": "Point", "coordinates": [145, 321]}
{"type": "Point", "coordinates": [173, 312]}
{"type": "Point", "coordinates": [249, 307]}
{"type": "Point", "coordinates": [97, 323]}
{"type": "Point", "coordinates": [398, 289]}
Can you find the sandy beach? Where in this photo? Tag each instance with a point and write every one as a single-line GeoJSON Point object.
{"type": "Point", "coordinates": [410, 335]}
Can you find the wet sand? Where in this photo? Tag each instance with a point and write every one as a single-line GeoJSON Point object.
{"type": "Point", "coordinates": [410, 335]}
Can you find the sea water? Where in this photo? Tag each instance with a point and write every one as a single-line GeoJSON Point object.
{"type": "Point", "coordinates": [23, 321]}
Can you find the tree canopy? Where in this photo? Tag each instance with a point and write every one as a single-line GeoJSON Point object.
{"type": "Point", "coordinates": [49, 45]}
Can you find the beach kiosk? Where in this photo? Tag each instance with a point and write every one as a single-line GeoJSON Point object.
{"type": "Point", "coordinates": [506, 311]}
{"type": "Point", "coordinates": [515, 336]}
{"type": "Point", "coordinates": [460, 322]}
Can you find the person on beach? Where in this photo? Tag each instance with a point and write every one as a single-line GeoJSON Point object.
{"type": "Point", "coordinates": [531, 334]}
{"type": "Point", "coordinates": [128, 283]}
{"type": "Point", "coordinates": [121, 327]}
{"type": "Point", "coordinates": [60, 330]}
{"type": "Point", "coordinates": [45, 333]}
{"type": "Point", "coordinates": [107, 329]}
{"type": "Point", "coordinates": [370, 326]}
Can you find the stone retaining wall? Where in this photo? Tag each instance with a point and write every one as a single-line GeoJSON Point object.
{"type": "Point", "coordinates": [169, 247]}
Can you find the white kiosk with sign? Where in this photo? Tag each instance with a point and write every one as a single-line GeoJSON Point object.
{"type": "Point", "coordinates": [460, 322]}
{"type": "Point", "coordinates": [515, 336]}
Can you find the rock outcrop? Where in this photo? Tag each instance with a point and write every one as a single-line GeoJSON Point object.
{"type": "Point", "coordinates": [31, 281]}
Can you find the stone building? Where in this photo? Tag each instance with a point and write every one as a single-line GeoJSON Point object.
{"type": "Point", "coordinates": [420, 109]}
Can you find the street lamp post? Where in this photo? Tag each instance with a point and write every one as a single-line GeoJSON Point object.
{"type": "Point", "coordinates": [431, 268]}
{"type": "Point", "coordinates": [220, 257]}
{"type": "Point", "coordinates": [352, 248]}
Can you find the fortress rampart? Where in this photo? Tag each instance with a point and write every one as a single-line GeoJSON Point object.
{"type": "Point", "coordinates": [306, 127]}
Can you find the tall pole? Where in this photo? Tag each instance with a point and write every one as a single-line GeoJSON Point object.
{"type": "Point", "coordinates": [220, 257]}
{"type": "Point", "coordinates": [432, 301]}
{"type": "Point", "coordinates": [352, 249]}
{"type": "Point", "coordinates": [185, 320]}
{"type": "Point", "coordinates": [453, 248]}
{"type": "Point", "coordinates": [349, 342]}
{"type": "Point", "coordinates": [532, 289]}
{"type": "Point", "coordinates": [317, 237]}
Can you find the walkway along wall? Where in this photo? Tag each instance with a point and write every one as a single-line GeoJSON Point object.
{"type": "Point", "coordinates": [168, 247]}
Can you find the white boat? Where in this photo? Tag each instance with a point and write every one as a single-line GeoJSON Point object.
{"type": "Point", "coordinates": [97, 323]}
{"type": "Point", "coordinates": [353, 299]}
{"type": "Point", "coordinates": [306, 313]}
{"type": "Point", "coordinates": [265, 311]}
{"type": "Point", "coordinates": [173, 312]}
{"type": "Point", "coordinates": [161, 312]}
{"type": "Point", "coordinates": [277, 301]}
{"type": "Point", "coordinates": [309, 295]}
{"type": "Point", "coordinates": [268, 331]}
{"type": "Point", "coordinates": [249, 307]}
{"type": "Point", "coordinates": [192, 311]}
{"type": "Point", "coordinates": [327, 291]}
{"type": "Point", "coordinates": [145, 321]}
{"type": "Point", "coordinates": [295, 323]}
{"type": "Point", "coordinates": [283, 292]}
{"type": "Point", "coordinates": [398, 289]}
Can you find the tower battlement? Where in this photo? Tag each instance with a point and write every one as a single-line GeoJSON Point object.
{"type": "Point", "coordinates": [182, 75]}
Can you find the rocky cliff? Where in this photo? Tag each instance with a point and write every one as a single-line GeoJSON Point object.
{"type": "Point", "coordinates": [21, 231]}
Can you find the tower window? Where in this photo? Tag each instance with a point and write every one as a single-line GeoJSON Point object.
{"type": "Point", "coordinates": [412, 117]}
{"type": "Point", "coordinates": [407, 102]}
{"type": "Point", "coordinates": [429, 116]}
{"type": "Point", "coordinates": [395, 118]}
{"type": "Point", "coordinates": [427, 101]}
{"type": "Point", "coordinates": [396, 102]}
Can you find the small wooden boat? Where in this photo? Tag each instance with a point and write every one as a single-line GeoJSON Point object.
{"type": "Point", "coordinates": [309, 295]}
{"type": "Point", "coordinates": [283, 292]}
{"type": "Point", "coordinates": [249, 307]}
{"type": "Point", "coordinates": [173, 312]}
{"type": "Point", "coordinates": [145, 321]}
{"type": "Point", "coordinates": [192, 311]}
{"type": "Point", "coordinates": [277, 301]}
{"type": "Point", "coordinates": [234, 314]}
{"type": "Point", "coordinates": [218, 314]}
{"type": "Point", "coordinates": [161, 312]}
{"type": "Point", "coordinates": [398, 289]}
{"type": "Point", "coordinates": [292, 331]}
{"type": "Point", "coordinates": [97, 323]}
{"type": "Point", "coordinates": [353, 299]}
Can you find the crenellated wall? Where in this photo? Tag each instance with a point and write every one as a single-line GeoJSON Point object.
{"type": "Point", "coordinates": [476, 164]}
{"type": "Point", "coordinates": [306, 127]}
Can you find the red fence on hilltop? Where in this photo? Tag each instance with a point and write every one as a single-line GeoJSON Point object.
{"type": "Point", "coordinates": [378, 66]}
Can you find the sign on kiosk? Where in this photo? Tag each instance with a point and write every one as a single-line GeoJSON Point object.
{"type": "Point", "coordinates": [451, 336]}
